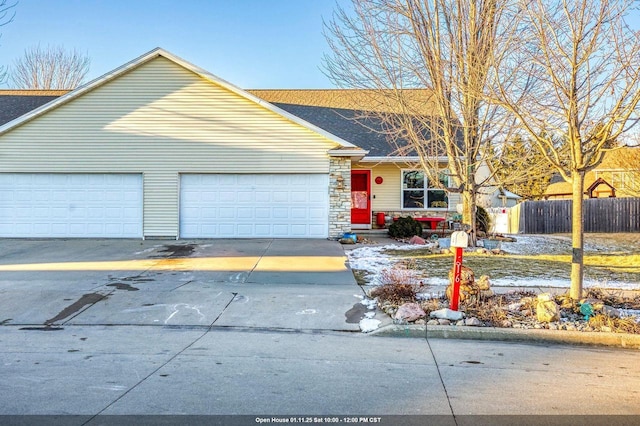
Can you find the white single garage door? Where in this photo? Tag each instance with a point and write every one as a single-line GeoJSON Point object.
{"type": "Point", "coordinates": [254, 206]}
{"type": "Point", "coordinates": [70, 205]}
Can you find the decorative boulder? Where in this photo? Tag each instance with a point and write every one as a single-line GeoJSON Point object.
{"type": "Point", "coordinates": [473, 322]}
{"type": "Point", "coordinates": [546, 308]}
{"type": "Point", "coordinates": [610, 311]}
{"type": "Point", "coordinates": [468, 288]}
{"type": "Point", "coordinates": [447, 313]}
{"type": "Point", "coordinates": [409, 312]}
{"type": "Point", "coordinates": [417, 240]}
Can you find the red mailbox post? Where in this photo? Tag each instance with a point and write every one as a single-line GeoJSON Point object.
{"type": "Point", "coordinates": [459, 240]}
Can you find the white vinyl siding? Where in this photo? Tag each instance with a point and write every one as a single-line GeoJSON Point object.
{"type": "Point", "coordinates": [161, 120]}
{"type": "Point", "coordinates": [70, 205]}
{"type": "Point", "coordinates": [387, 196]}
{"type": "Point", "coordinates": [254, 205]}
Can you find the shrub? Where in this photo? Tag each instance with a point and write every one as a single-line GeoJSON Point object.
{"type": "Point", "coordinates": [405, 227]}
{"type": "Point", "coordinates": [483, 221]}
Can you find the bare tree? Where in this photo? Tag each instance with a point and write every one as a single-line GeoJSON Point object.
{"type": "Point", "coordinates": [52, 67]}
{"type": "Point", "coordinates": [447, 49]}
{"type": "Point", "coordinates": [6, 16]}
{"type": "Point", "coordinates": [576, 75]}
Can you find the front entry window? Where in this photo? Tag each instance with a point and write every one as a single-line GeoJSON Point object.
{"type": "Point", "coordinates": [418, 194]}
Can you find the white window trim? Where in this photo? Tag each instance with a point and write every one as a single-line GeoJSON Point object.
{"type": "Point", "coordinates": [425, 190]}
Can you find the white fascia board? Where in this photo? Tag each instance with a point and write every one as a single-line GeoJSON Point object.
{"type": "Point", "coordinates": [185, 64]}
{"type": "Point", "coordinates": [441, 159]}
{"type": "Point", "coordinates": [355, 154]}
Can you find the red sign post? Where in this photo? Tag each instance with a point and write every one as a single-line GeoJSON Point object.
{"type": "Point", "coordinates": [459, 240]}
{"type": "Point", "coordinates": [457, 270]}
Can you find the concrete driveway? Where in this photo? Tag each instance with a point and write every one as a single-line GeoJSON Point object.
{"type": "Point", "coordinates": [271, 284]}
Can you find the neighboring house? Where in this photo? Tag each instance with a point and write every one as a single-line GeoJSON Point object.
{"type": "Point", "coordinates": [612, 178]}
{"type": "Point", "coordinates": [501, 198]}
{"type": "Point", "coordinates": [160, 148]}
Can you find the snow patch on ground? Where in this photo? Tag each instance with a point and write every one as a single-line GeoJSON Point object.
{"type": "Point", "coordinates": [367, 325]}
{"type": "Point", "coordinates": [373, 259]}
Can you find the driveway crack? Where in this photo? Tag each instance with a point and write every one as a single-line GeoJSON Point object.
{"type": "Point", "coordinates": [177, 354]}
{"type": "Point", "coordinates": [444, 387]}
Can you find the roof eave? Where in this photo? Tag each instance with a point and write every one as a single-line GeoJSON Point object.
{"type": "Point", "coordinates": [391, 159]}
{"type": "Point", "coordinates": [355, 154]}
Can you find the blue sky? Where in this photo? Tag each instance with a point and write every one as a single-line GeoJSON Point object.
{"type": "Point", "coordinates": [250, 43]}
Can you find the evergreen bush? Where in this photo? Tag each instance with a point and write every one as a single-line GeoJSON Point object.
{"type": "Point", "coordinates": [405, 227]}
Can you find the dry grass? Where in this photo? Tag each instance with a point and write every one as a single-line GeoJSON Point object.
{"type": "Point", "coordinates": [614, 298]}
{"type": "Point", "coordinates": [618, 325]}
{"type": "Point", "coordinates": [400, 284]}
{"type": "Point", "coordinates": [403, 272]}
{"type": "Point", "coordinates": [396, 294]}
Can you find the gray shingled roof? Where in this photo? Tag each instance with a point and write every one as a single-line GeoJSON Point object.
{"type": "Point", "coordinates": [13, 106]}
{"type": "Point", "coordinates": [350, 125]}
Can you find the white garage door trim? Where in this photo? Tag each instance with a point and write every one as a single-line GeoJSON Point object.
{"type": "Point", "coordinates": [56, 205]}
{"type": "Point", "coordinates": [254, 206]}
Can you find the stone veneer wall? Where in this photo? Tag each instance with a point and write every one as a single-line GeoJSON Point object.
{"type": "Point", "coordinates": [339, 196]}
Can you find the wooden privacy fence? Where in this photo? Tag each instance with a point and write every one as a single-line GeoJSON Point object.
{"type": "Point", "coordinates": [554, 216]}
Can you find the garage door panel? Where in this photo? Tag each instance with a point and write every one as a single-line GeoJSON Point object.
{"type": "Point", "coordinates": [71, 205]}
{"type": "Point", "coordinates": [285, 206]}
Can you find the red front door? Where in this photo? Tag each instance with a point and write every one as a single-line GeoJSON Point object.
{"type": "Point", "coordinates": [361, 197]}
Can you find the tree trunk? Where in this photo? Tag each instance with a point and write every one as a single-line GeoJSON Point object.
{"type": "Point", "coordinates": [577, 237]}
{"type": "Point", "coordinates": [469, 215]}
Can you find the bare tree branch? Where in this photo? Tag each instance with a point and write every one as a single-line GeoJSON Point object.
{"type": "Point", "coordinates": [447, 48]}
{"type": "Point", "coordinates": [6, 16]}
{"type": "Point", "coordinates": [52, 67]}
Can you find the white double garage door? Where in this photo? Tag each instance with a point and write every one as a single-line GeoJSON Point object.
{"type": "Point", "coordinates": [211, 205]}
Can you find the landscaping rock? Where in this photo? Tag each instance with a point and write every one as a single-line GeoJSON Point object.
{"type": "Point", "coordinates": [483, 283]}
{"type": "Point", "coordinates": [417, 240]}
{"type": "Point", "coordinates": [409, 312]}
{"type": "Point", "coordinates": [468, 288]}
{"type": "Point", "coordinates": [433, 322]}
{"type": "Point", "coordinates": [444, 322]}
{"type": "Point", "coordinates": [546, 308]}
{"type": "Point", "coordinates": [421, 321]}
{"type": "Point", "coordinates": [514, 307]}
{"type": "Point", "coordinates": [447, 313]}
{"type": "Point", "coordinates": [473, 322]}
{"type": "Point", "coordinates": [610, 311]}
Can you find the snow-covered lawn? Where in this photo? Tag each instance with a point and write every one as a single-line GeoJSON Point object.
{"type": "Point", "coordinates": [612, 261]}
